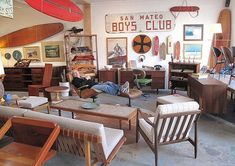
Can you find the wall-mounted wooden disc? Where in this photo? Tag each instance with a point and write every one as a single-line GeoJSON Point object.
{"type": "Point", "coordinates": [142, 44]}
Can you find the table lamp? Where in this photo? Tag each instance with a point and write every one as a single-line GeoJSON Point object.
{"type": "Point", "coordinates": [215, 29]}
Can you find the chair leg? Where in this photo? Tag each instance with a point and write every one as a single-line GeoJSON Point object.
{"type": "Point", "coordinates": [137, 135]}
{"type": "Point", "coordinates": [129, 102]}
{"type": "Point", "coordinates": [156, 155]}
{"type": "Point", "coordinates": [195, 141]}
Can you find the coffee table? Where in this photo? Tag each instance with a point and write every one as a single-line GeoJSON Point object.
{"type": "Point", "coordinates": [57, 90]}
{"type": "Point", "coordinates": [103, 110]}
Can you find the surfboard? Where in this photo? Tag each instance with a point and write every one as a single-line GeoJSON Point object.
{"type": "Point", "coordinates": [162, 52]}
{"type": "Point", "coordinates": [30, 35]}
{"type": "Point", "coordinates": [155, 45]}
{"type": "Point", "coordinates": [177, 50]}
{"type": "Point", "coordinates": [221, 39]}
{"type": "Point", "coordinates": [169, 45]}
{"type": "Point", "coordinates": [61, 9]}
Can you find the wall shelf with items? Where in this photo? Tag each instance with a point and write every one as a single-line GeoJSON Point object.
{"type": "Point", "coordinates": [81, 53]}
{"type": "Point", "coordinates": [178, 74]}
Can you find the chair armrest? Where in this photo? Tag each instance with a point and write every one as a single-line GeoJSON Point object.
{"type": "Point", "coordinates": [5, 128]}
{"type": "Point", "coordinates": [145, 117]}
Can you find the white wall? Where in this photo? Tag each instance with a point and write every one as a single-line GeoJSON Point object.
{"type": "Point", "coordinates": [208, 14]}
{"type": "Point", "coordinates": [25, 16]}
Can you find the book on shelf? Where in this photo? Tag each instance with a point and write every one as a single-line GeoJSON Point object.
{"type": "Point", "coordinates": [200, 75]}
{"type": "Point", "coordinates": [176, 70]}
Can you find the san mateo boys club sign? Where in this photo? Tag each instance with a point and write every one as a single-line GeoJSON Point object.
{"type": "Point", "coordinates": [139, 22]}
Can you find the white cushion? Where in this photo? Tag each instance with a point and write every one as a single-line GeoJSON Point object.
{"type": "Point", "coordinates": [147, 129]}
{"type": "Point", "coordinates": [113, 136]}
{"type": "Point", "coordinates": [176, 98]}
{"type": "Point", "coordinates": [32, 101]}
{"type": "Point", "coordinates": [8, 112]}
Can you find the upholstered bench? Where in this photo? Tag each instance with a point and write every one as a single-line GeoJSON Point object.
{"type": "Point", "coordinates": [171, 99]}
{"type": "Point", "coordinates": [34, 103]}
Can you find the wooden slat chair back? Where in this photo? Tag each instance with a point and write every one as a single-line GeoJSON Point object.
{"type": "Point", "coordinates": [171, 124]}
{"type": "Point", "coordinates": [34, 90]}
{"type": "Point", "coordinates": [36, 150]}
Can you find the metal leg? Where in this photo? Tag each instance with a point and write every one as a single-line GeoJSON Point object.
{"type": "Point", "coordinates": [59, 111]}
{"type": "Point", "coordinates": [130, 124]}
{"type": "Point", "coordinates": [72, 115]}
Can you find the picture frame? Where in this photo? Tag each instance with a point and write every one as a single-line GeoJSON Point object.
{"type": "Point", "coordinates": [53, 51]}
{"type": "Point", "coordinates": [116, 51]}
{"type": "Point", "coordinates": [32, 53]}
{"type": "Point", "coordinates": [193, 32]}
{"type": "Point", "coordinates": [192, 51]}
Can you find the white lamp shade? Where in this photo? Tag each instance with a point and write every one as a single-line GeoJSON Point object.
{"type": "Point", "coordinates": [1, 66]}
{"type": "Point", "coordinates": [216, 28]}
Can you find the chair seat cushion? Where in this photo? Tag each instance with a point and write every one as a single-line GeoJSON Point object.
{"type": "Point", "coordinates": [32, 101]}
{"type": "Point", "coordinates": [113, 136]}
{"type": "Point", "coordinates": [133, 93]}
{"type": "Point", "coordinates": [143, 81]}
{"type": "Point", "coordinates": [170, 99]}
{"type": "Point", "coordinates": [146, 128]}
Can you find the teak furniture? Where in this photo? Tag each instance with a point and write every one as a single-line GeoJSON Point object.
{"type": "Point", "coordinates": [57, 90]}
{"type": "Point", "coordinates": [178, 74]}
{"type": "Point", "coordinates": [18, 79]}
{"type": "Point", "coordinates": [104, 110]}
{"type": "Point", "coordinates": [210, 93]}
{"type": "Point", "coordinates": [108, 75]}
{"type": "Point", "coordinates": [171, 124]}
{"type": "Point", "coordinates": [157, 76]}
{"type": "Point", "coordinates": [32, 143]}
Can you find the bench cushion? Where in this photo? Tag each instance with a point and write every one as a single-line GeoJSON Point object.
{"type": "Point", "coordinates": [8, 112]}
{"type": "Point", "coordinates": [32, 101]}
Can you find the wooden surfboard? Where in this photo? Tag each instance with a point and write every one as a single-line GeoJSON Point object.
{"type": "Point", "coordinates": [30, 35]}
{"type": "Point", "coordinates": [65, 10]}
{"type": "Point", "coordinates": [169, 45]}
{"type": "Point", "coordinates": [155, 45]}
{"type": "Point", "coordinates": [221, 39]}
{"type": "Point", "coordinates": [162, 52]}
{"type": "Point", "coordinates": [177, 50]}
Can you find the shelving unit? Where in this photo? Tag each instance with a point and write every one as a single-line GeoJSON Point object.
{"type": "Point", "coordinates": [81, 53]}
{"type": "Point", "coordinates": [178, 74]}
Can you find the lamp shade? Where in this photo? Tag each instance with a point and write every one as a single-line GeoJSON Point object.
{"type": "Point", "coordinates": [216, 28]}
{"type": "Point", "coordinates": [1, 66]}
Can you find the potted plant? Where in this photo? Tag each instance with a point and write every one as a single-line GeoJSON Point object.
{"type": "Point", "coordinates": [64, 82]}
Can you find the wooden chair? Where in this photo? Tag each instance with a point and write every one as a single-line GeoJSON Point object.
{"type": "Point", "coordinates": [171, 124]}
{"type": "Point", "coordinates": [31, 148]}
{"type": "Point", "coordinates": [34, 90]}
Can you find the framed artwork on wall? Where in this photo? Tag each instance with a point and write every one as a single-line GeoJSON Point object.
{"type": "Point", "coordinates": [53, 51]}
{"type": "Point", "coordinates": [193, 51]}
{"type": "Point", "coordinates": [116, 51]}
{"type": "Point", "coordinates": [193, 32]}
{"type": "Point", "coordinates": [32, 53]}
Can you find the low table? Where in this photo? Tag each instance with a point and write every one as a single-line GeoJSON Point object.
{"type": "Point", "coordinates": [57, 90]}
{"type": "Point", "coordinates": [103, 110]}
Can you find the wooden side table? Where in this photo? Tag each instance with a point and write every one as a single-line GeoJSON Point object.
{"type": "Point", "coordinates": [57, 90]}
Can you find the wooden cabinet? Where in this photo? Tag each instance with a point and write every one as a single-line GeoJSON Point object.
{"type": "Point", "coordinates": [178, 74]}
{"type": "Point", "coordinates": [18, 79]}
{"type": "Point", "coordinates": [108, 75]}
{"type": "Point", "coordinates": [157, 76]}
{"type": "Point", "coordinates": [81, 53]}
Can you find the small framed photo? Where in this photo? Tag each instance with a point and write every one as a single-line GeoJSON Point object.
{"type": "Point", "coordinates": [53, 51]}
{"type": "Point", "coordinates": [193, 32]}
{"type": "Point", "coordinates": [116, 51]}
{"type": "Point", "coordinates": [193, 51]}
{"type": "Point", "coordinates": [32, 53]}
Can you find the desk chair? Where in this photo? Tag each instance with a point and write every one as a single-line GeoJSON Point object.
{"type": "Point", "coordinates": [32, 143]}
{"type": "Point", "coordinates": [34, 90]}
{"type": "Point", "coordinates": [218, 59]}
{"type": "Point", "coordinates": [229, 68]}
{"type": "Point", "coordinates": [140, 79]}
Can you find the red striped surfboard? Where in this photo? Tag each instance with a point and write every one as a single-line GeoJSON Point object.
{"type": "Point", "coordinates": [155, 45]}
{"type": "Point", "coordinates": [61, 9]}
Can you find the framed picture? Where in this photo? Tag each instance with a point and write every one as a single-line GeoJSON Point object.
{"type": "Point", "coordinates": [53, 51]}
{"type": "Point", "coordinates": [32, 53]}
{"type": "Point", "coordinates": [116, 51]}
{"type": "Point", "coordinates": [193, 32]}
{"type": "Point", "coordinates": [193, 51]}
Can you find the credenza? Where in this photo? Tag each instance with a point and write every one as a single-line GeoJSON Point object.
{"type": "Point", "coordinates": [18, 79]}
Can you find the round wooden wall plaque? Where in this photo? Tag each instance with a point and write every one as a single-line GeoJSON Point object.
{"type": "Point", "coordinates": [142, 44]}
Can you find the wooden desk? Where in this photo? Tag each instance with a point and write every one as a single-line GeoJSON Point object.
{"type": "Point", "coordinates": [157, 76]}
{"type": "Point", "coordinates": [210, 93]}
